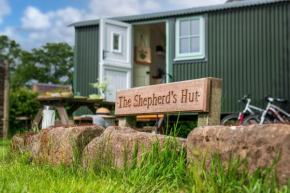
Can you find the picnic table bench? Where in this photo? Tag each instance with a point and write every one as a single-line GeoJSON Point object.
{"type": "Point", "coordinates": [73, 103]}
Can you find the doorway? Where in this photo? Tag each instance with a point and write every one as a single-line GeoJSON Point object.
{"type": "Point", "coordinates": [151, 40]}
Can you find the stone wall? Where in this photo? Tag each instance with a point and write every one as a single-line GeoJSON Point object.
{"type": "Point", "coordinates": [256, 146]}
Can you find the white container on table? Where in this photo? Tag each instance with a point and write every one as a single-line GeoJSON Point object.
{"type": "Point", "coordinates": [48, 117]}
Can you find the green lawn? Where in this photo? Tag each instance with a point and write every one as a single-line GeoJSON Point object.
{"type": "Point", "coordinates": [161, 171]}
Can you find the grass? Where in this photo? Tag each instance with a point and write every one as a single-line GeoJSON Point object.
{"type": "Point", "coordinates": [163, 170]}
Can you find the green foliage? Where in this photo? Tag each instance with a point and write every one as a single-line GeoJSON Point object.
{"type": "Point", "coordinates": [101, 87]}
{"type": "Point", "coordinates": [164, 169]}
{"type": "Point", "coordinates": [186, 127]}
{"type": "Point", "coordinates": [10, 51]}
{"type": "Point", "coordinates": [232, 177]}
{"type": "Point", "coordinates": [52, 63]}
{"type": "Point", "coordinates": [21, 104]}
{"type": "Point", "coordinates": [182, 128]}
{"type": "Point", "coordinates": [24, 158]}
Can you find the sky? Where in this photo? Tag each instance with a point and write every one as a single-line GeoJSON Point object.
{"type": "Point", "coordinates": [33, 23]}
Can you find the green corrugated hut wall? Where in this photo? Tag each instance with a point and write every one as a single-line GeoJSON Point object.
{"type": "Point", "coordinates": [249, 49]}
{"type": "Point", "coordinates": [86, 62]}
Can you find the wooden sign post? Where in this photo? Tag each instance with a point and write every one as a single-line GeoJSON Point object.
{"type": "Point", "coordinates": [201, 95]}
{"type": "Point", "coordinates": [6, 100]}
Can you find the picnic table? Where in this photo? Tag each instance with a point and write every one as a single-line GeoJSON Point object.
{"type": "Point", "coordinates": [73, 103]}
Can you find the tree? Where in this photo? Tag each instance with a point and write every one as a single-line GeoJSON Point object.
{"type": "Point", "coordinates": [10, 51]}
{"type": "Point", "coordinates": [52, 63]}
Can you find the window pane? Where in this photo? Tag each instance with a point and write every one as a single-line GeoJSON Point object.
{"type": "Point", "coordinates": [194, 44]}
{"type": "Point", "coordinates": [184, 45]}
{"type": "Point", "coordinates": [195, 29]}
{"type": "Point", "coordinates": [184, 28]}
{"type": "Point", "coordinates": [116, 42]}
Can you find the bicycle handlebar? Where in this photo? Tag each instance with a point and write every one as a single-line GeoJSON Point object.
{"type": "Point", "coordinates": [244, 98]}
{"type": "Point", "coordinates": [271, 99]}
{"type": "Point", "coordinates": [266, 97]}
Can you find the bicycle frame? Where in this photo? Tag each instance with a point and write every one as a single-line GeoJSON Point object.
{"type": "Point", "coordinates": [275, 111]}
{"type": "Point", "coordinates": [248, 108]}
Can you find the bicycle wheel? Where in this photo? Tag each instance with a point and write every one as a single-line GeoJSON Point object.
{"type": "Point", "coordinates": [231, 119]}
{"type": "Point", "coordinates": [255, 119]}
{"type": "Point", "coordinates": [251, 119]}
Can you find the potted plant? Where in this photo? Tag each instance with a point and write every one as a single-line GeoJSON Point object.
{"type": "Point", "coordinates": [101, 87]}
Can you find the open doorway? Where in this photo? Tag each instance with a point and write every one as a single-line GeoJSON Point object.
{"type": "Point", "coordinates": [151, 40]}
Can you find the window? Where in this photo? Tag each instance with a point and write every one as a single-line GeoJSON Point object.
{"type": "Point", "coordinates": [116, 42]}
{"type": "Point", "coordinates": [190, 43]}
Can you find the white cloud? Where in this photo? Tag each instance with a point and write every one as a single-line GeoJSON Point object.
{"type": "Point", "coordinates": [151, 5]}
{"type": "Point", "coordinates": [67, 16]}
{"type": "Point", "coordinates": [111, 8]}
{"type": "Point", "coordinates": [34, 19]}
{"type": "Point", "coordinates": [195, 3]}
{"type": "Point", "coordinates": [4, 9]}
{"type": "Point", "coordinates": [38, 28]}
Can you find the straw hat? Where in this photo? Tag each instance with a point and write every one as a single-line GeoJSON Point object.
{"type": "Point", "coordinates": [104, 112]}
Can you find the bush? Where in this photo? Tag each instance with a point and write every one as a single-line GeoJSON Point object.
{"type": "Point", "coordinates": [21, 104]}
{"type": "Point", "coordinates": [186, 127]}
{"type": "Point", "coordinates": [183, 128]}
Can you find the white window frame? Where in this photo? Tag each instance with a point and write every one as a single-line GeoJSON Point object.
{"type": "Point", "coordinates": [194, 55]}
{"type": "Point", "coordinates": [119, 42]}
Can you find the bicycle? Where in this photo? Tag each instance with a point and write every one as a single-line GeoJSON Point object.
{"type": "Point", "coordinates": [272, 112]}
{"type": "Point", "coordinates": [237, 118]}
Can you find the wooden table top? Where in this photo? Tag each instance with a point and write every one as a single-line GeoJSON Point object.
{"type": "Point", "coordinates": [73, 100]}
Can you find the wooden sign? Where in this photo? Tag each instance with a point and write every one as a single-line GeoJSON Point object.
{"type": "Point", "coordinates": [185, 96]}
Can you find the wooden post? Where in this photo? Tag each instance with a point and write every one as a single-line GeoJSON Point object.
{"type": "Point", "coordinates": [62, 114]}
{"type": "Point", "coordinates": [37, 120]}
{"type": "Point", "coordinates": [213, 116]}
{"type": "Point", "coordinates": [129, 121]}
{"type": "Point", "coordinates": [6, 100]}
